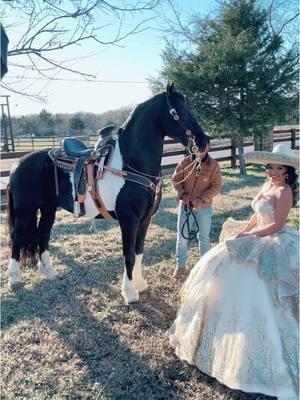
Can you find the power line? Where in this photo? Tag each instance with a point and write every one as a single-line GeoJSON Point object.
{"type": "Point", "coordinates": [79, 80]}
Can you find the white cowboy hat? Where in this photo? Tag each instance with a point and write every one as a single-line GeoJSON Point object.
{"type": "Point", "coordinates": [281, 154]}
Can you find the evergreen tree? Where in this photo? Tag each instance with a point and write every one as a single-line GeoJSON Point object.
{"type": "Point", "coordinates": [76, 123]}
{"type": "Point", "coordinates": [238, 77]}
{"type": "Point", "coordinates": [46, 123]}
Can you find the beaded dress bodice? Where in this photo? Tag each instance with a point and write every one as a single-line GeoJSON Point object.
{"type": "Point", "coordinates": [264, 211]}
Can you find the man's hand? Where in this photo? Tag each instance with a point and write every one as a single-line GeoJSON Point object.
{"type": "Point", "coordinates": [185, 197]}
{"type": "Point", "coordinates": [198, 202]}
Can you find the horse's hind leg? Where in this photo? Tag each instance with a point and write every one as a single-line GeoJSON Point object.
{"type": "Point", "coordinates": [14, 274]}
{"type": "Point", "coordinates": [138, 281]}
{"type": "Point", "coordinates": [44, 230]}
{"type": "Point", "coordinates": [13, 270]}
{"type": "Point", "coordinates": [23, 236]}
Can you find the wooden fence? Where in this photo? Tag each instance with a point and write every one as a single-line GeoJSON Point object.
{"type": "Point", "coordinates": [172, 150]}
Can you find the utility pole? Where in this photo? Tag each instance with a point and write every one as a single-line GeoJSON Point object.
{"type": "Point", "coordinates": [6, 121]}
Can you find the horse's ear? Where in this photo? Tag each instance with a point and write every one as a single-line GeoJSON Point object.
{"type": "Point", "coordinates": [170, 87]}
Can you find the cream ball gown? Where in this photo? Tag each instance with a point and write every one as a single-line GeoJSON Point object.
{"type": "Point", "coordinates": [238, 320]}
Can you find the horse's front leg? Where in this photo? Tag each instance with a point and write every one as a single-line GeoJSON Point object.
{"type": "Point", "coordinates": [129, 231]}
{"type": "Point", "coordinates": [138, 281]}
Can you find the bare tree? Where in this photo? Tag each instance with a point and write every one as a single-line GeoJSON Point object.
{"type": "Point", "coordinates": [43, 31]}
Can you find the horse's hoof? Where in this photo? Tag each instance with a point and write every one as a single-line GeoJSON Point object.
{"type": "Point", "coordinates": [51, 275]}
{"type": "Point", "coordinates": [47, 271]}
{"type": "Point", "coordinates": [16, 285]}
{"type": "Point", "coordinates": [141, 285]}
{"type": "Point", "coordinates": [131, 297]}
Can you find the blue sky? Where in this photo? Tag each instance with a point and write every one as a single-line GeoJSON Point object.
{"type": "Point", "coordinates": [134, 62]}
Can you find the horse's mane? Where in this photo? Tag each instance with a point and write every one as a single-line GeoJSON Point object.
{"type": "Point", "coordinates": [137, 110]}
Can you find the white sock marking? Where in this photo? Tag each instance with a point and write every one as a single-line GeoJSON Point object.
{"type": "Point", "coordinates": [14, 273]}
{"type": "Point", "coordinates": [46, 267]}
{"type": "Point", "coordinates": [129, 293]}
{"type": "Point", "coordinates": [139, 282]}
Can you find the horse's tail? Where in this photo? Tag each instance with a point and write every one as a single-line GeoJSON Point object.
{"type": "Point", "coordinates": [28, 248]}
{"type": "Point", "coordinates": [10, 221]}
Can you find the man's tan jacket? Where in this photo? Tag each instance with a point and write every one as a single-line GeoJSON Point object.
{"type": "Point", "coordinates": [208, 183]}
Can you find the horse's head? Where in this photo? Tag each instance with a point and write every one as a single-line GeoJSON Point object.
{"type": "Point", "coordinates": [181, 125]}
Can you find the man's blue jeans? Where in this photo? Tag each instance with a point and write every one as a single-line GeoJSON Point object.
{"type": "Point", "coordinates": [203, 217]}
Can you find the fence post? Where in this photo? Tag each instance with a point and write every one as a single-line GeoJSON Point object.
{"type": "Point", "coordinates": [293, 138]}
{"type": "Point", "coordinates": [233, 153]}
{"type": "Point", "coordinates": [32, 142]}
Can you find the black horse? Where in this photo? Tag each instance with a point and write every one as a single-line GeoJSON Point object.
{"type": "Point", "coordinates": [36, 185]}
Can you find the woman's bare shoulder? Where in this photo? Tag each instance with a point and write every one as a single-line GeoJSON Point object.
{"type": "Point", "coordinates": [285, 193]}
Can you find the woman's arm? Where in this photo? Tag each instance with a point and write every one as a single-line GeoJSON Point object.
{"type": "Point", "coordinates": [250, 225]}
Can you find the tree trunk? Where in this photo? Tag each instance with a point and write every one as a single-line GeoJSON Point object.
{"type": "Point", "coordinates": [242, 130]}
{"type": "Point", "coordinates": [257, 141]}
{"type": "Point", "coordinates": [267, 139]}
{"type": "Point", "coordinates": [233, 152]}
{"type": "Point", "coordinates": [240, 144]}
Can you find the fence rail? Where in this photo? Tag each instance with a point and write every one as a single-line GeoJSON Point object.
{"type": "Point", "coordinates": [171, 149]}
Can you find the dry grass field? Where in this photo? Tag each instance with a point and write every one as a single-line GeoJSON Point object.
{"type": "Point", "coordinates": [74, 338]}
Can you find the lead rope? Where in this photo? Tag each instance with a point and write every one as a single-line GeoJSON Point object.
{"type": "Point", "coordinates": [188, 209]}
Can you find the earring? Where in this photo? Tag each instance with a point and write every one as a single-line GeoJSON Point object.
{"type": "Point", "coordinates": [287, 178]}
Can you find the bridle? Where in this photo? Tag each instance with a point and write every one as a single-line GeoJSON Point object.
{"type": "Point", "coordinates": [193, 150]}
{"type": "Point", "coordinates": [191, 146]}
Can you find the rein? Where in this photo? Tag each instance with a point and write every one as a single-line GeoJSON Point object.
{"type": "Point", "coordinates": [143, 173]}
{"type": "Point", "coordinates": [189, 208]}
{"type": "Point", "coordinates": [193, 149]}
{"type": "Point", "coordinates": [137, 178]}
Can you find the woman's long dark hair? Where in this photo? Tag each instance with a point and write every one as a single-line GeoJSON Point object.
{"type": "Point", "coordinates": [292, 180]}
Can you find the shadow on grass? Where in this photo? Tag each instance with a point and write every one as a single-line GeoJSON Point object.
{"type": "Point", "coordinates": [93, 332]}
{"type": "Point", "coordinates": [86, 310]}
{"type": "Point", "coordinates": [121, 373]}
{"type": "Point", "coordinates": [84, 226]}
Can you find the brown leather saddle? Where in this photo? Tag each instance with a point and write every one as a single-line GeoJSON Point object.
{"type": "Point", "coordinates": [87, 165]}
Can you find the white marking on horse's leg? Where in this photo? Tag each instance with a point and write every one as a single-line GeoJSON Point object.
{"type": "Point", "coordinates": [129, 293]}
{"type": "Point", "coordinates": [71, 177]}
{"type": "Point", "coordinates": [139, 282]}
{"type": "Point", "coordinates": [46, 267]}
{"type": "Point", "coordinates": [14, 274]}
